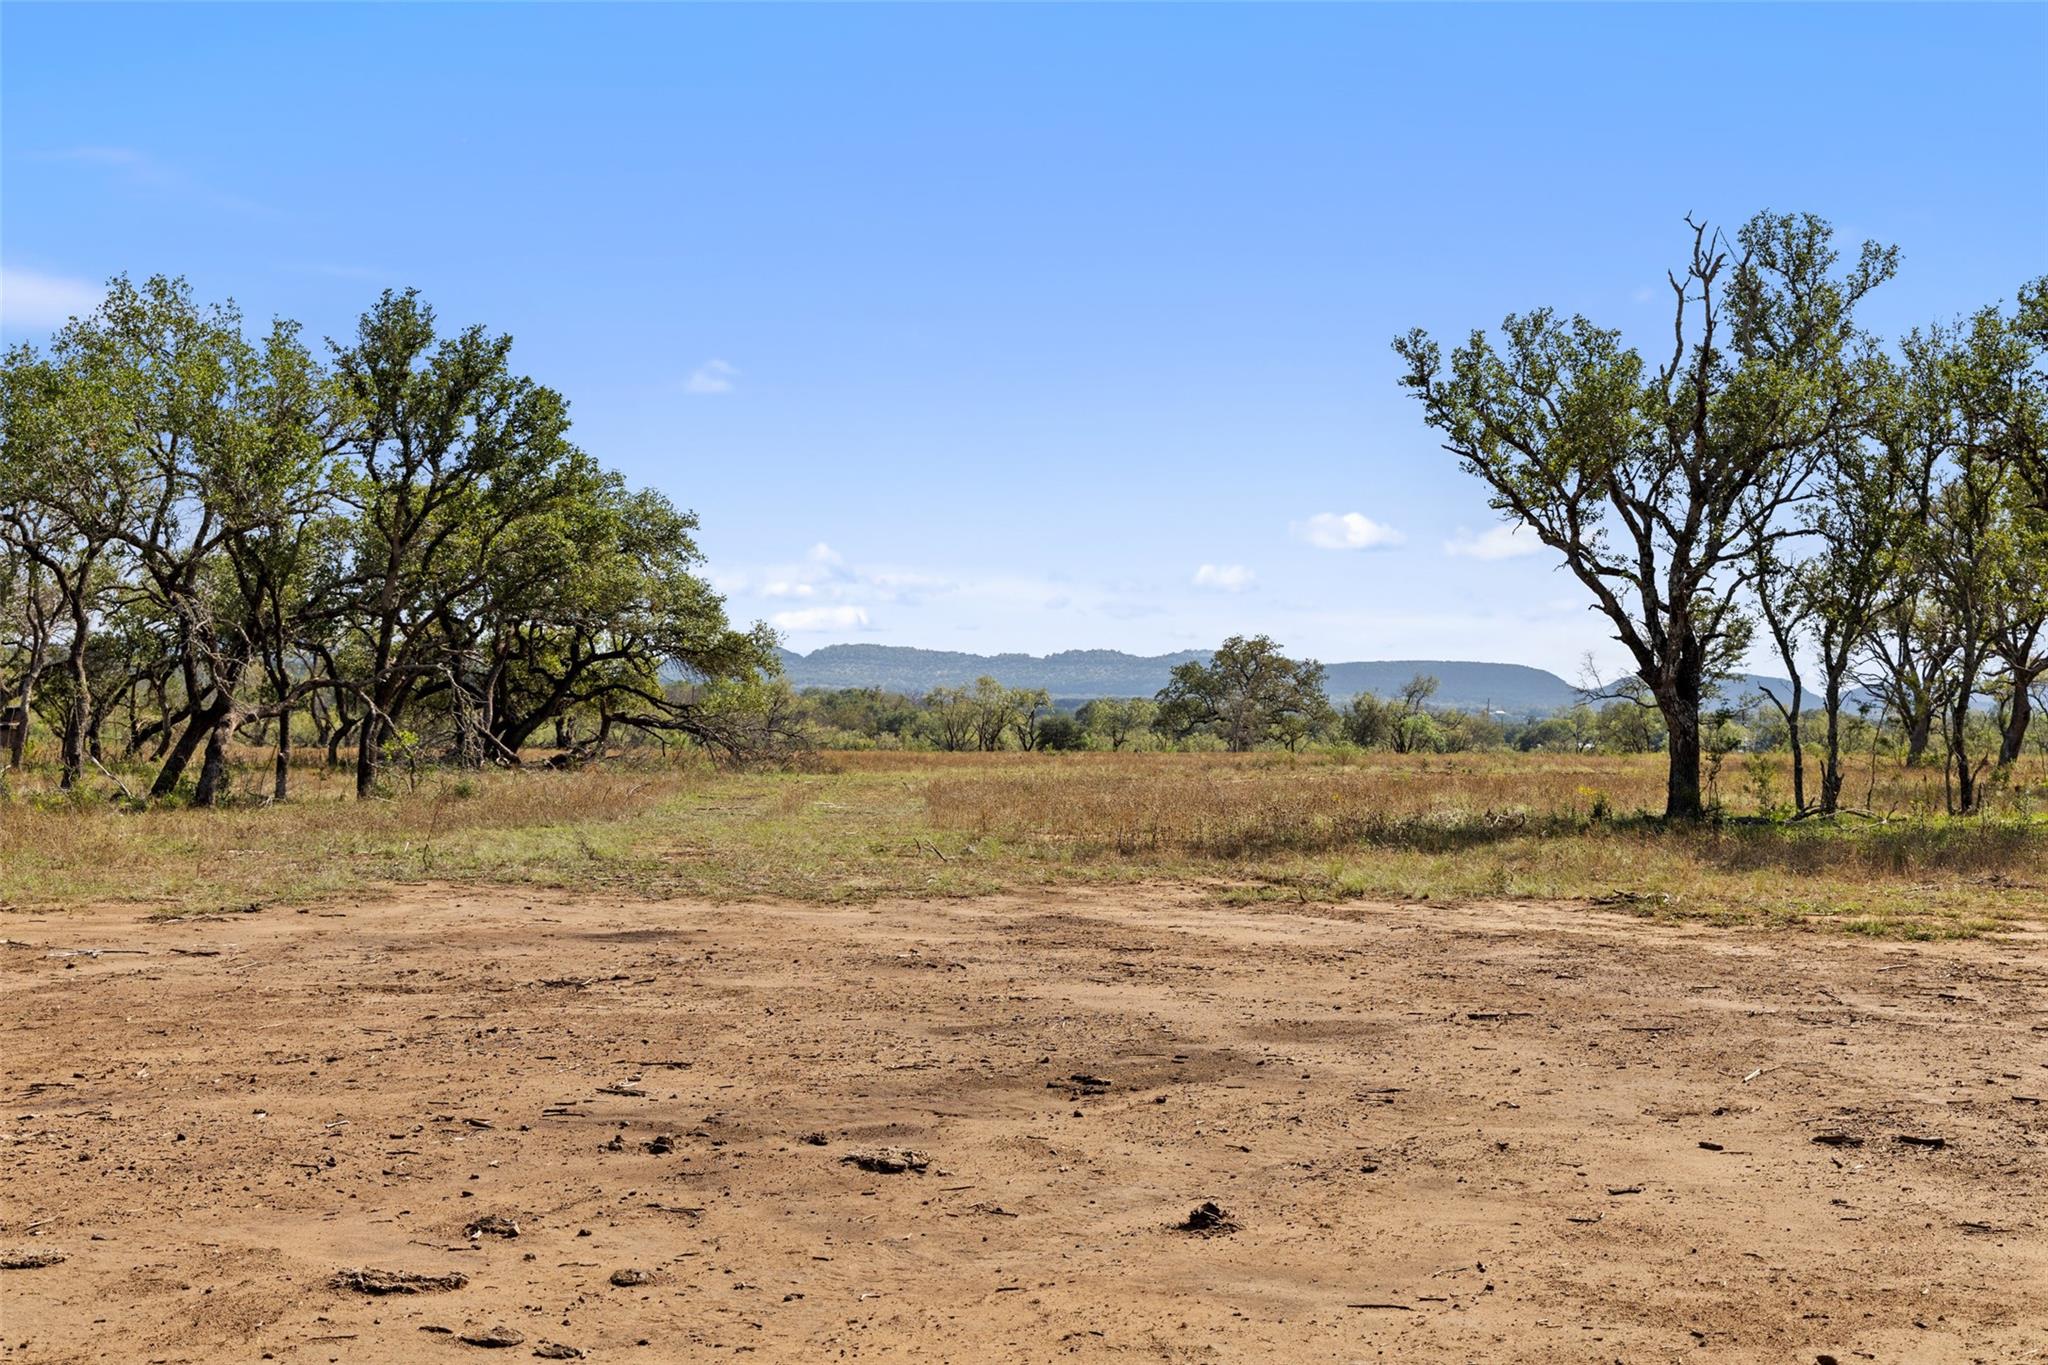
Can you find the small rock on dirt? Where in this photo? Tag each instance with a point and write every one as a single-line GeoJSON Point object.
{"type": "Point", "coordinates": [397, 1282]}
{"type": "Point", "coordinates": [555, 1350]}
{"type": "Point", "coordinates": [888, 1161]}
{"type": "Point", "coordinates": [659, 1146]}
{"type": "Point", "coordinates": [491, 1225]}
{"type": "Point", "coordinates": [627, 1278]}
{"type": "Point", "coordinates": [1208, 1219]}
{"type": "Point", "coordinates": [813, 1139]}
{"type": "Point", "coordinates": [496, 1338]}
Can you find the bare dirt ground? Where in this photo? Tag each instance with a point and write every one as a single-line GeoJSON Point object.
{"type": "Point", "coordinates": [1488, 1133]}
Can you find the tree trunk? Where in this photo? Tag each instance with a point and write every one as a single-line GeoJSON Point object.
{"type": "Point", "coordinates": [1958, 747]}
{"type": "Point", "coordinates": [1919, 734]}
{"type": "Point", "coordinates": [73, 747]}
{"type": "Point", "coordinates": [281, 788]}
{"type": "Point", "coordinates": [1798, 754]}
{"type": "Point", "coordinates": [199, 727]}
{"type": "Point", "coordinates": [213, 770]}
{"type": "Point", "coordinates": [1831, 754]}
{"type": "Point", "coordinates": [2016, 719]}
{"type": "Point", "coordinates": [369, 753]}
{"type": "Point", "coordinates": [1681, 708]}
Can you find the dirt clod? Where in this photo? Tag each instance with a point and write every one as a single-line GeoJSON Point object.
{"type": "Point", "coordinates": [888, 1161]}
{"type": "Point", "coordinates": [397, 1282]}
{"type": "Point", "coordinates": [29, 1260]}
{"type": "Point", "coordinates": [1208, 1219]}
{"type": "Point", "coordinates": [494, 1338]}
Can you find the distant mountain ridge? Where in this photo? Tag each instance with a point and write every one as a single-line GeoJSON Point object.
{"type": "Point", "coordinates": [1083, 673]}
{"type": "Point", "coordinates": [1076, 675]}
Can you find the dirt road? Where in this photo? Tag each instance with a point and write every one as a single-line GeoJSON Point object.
{"type": "Point", "coordinates": [1491, 1133]}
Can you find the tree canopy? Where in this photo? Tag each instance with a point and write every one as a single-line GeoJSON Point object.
{"type": "Point", "coordinates": [1248, 693]}
{"type": "Point", "coordinates": [399, 541]}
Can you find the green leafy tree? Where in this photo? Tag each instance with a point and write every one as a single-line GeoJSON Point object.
{"type": "Point", "coordinates": [950, 715]}
{"type": "Point", "coordinates": [1416, 692]}
{"type": "Point", "coordinates": [1248, 694]}
{"type": "Point", "coordinates": [1060, 733]}
{"type": "Point", "coordinates": [1028, 706]}
{"type": "Point", "coordinates": [1656, 484]}
{"type": "Point", "coordinates": [1859, 524]}
{"type": "Point", "coordinates": [1369, 722]}
{"type": "Point", "coordinates": [1116, 721]}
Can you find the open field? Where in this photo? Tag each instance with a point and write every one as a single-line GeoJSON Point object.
{"type": "Point", "coordinates": [1479, 1066]}
{"type": "Point", "coordinates": [1318, 828]}
{"type": "Point", "coordinates": [1492, 1132]}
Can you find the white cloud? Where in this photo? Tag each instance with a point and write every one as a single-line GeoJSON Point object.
{"type": "Point", "coordinates": [1345, 531]}
{"type": "Point", "coordinates": [30, 299]}
{"type": "Point", "coordinates": [1224, 577]}
{"type": "Point", "coordinates": [820, 618]}
{"type": "Point", "coordinates": [785, 589]}
{"type": "Point", "coordinates": [1500, 542]}
{"type": "Point", "coordinates": [713, 376]}
{"type": "Point", "coordinates": [821, 553]}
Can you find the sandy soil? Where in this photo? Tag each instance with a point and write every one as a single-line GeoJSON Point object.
{"type": "Point", "coordinates": [1490, 1133]}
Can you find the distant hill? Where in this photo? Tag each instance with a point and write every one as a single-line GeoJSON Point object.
{"type": "Point", "coordinates": [1079, 674]}
{"type": "Point", "coordinates": [1072, 673]}
{"type": "Point", "coordinates": [1076, 675]}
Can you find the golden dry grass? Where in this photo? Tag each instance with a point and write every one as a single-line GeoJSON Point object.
{"type": "Point", "coordinates": [1253, 827]}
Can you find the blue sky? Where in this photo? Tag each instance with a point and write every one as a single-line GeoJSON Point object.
{"type": "Point", "coordinates": [1022, 328]}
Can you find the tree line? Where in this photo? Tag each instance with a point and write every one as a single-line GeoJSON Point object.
{"type": "Point", "coordinates": [1249, 695]}
{"type": "Point", "coordinates": [1879, 513]}
{"type": "Point", "coordinates": [393, 543]}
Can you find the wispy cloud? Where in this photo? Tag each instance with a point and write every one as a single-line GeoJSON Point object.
{"type": "Point", "coordinates": [713, 376]}
{"type": "Point", "coordinates": [824, 590]}
{"type": "Point", "coordinates": [1500, 542]}
{"type": "Point", "coordinates": [820, 618]}
{"type": "Point", "coordinates": [1224, 577]}
{"type": "Point", "coordinates": [137, 169]}
{"type": "Point", "coordinates": [1345, 531]}
{"type": "Point", "coordinates": [30, 299]}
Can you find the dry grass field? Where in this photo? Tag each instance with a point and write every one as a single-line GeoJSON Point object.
{"type": "Point", "coordinates": [861, 826]}
{"type": "Point", "coordinates": [1474, 1063]}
